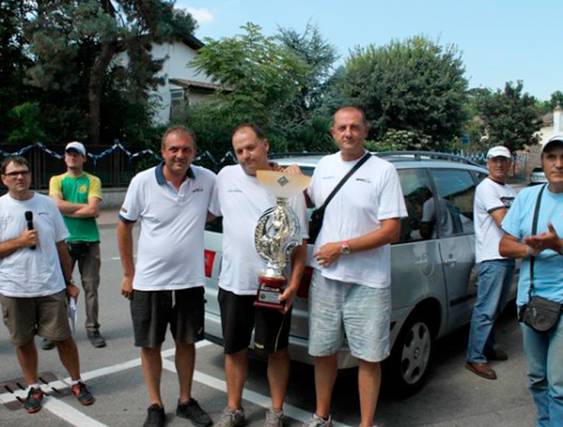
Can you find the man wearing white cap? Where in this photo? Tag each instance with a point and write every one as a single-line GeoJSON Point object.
{"type": "Point", "coordinates": [78, 195]}
{"type": "Point", "coordinates": [493, 198]}
{"type": "Point", "coordinates": [533, 229]}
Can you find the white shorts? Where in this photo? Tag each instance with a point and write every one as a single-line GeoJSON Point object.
{"type": "Point", "coordinates": [338, 309]}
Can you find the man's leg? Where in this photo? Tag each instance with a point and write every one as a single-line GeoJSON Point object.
{"type": "Point", "coordinates": [536, 347]}
{"type": "Point", "coordinates": [555, 373]}
{"type": "Point", "coordinates": [278, 377]}
{"type": "Point", "coordinates": [89, 267]}
{"type": "Point", "coordinates": [151, 361]}
{"type": "Point", "coordinates": [27, 357]}
{"type": "Point", "coordinates": [185, 363]}
{"type": "Point", "coordinates": [236, 370]}
{"type": "Point", "coordinates": [369, 382]}
{"type": "Point", "coordinates": [68, 353]}
{"type": "Point", "coordinates": [489, 290]}
{"type": "Point", "coordinates": [326, 369]}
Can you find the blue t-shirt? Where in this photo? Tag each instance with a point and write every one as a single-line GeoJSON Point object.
{"type": "Point", "coordinates": [548, 267]}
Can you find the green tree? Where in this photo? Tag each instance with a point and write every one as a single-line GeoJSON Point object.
{"type": "Point", "coordinates": [509, 117]}
{"type": "Point", "coordinates": [416, 85]}
{"type": "Point", "coordinates": [74, 44]}
{"type": "Point", "coordinates": [262, 76]}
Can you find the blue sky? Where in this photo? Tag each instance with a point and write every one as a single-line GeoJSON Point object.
{"type": "Point", "coordinates": [499, 40]}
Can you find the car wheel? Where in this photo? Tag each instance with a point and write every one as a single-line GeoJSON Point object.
{"type": "Point", "coordinates": [410, 358]}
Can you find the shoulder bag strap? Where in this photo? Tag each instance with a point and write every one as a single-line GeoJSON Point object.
{"type": "Point", "coordinates": [344, 179]}
{"type": "Point", "coordinates": [534, 231]}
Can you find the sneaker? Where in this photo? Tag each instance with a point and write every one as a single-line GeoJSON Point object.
{"type": "Point", "coordinates": [80, 391]}
{"type": "Point", "coordinates": [231, 418]}
{"type": "Point", "coordinates": [193, 412]}
{"type": "Point", "coordinates": [273, 418]}
{"type": "Point", "coordinates": [317, 421]}
{"type": "Point", "coordinates": [47, 344]}
{"type": "Point", "coordinates": [96, 339]}
{"type": "Point", "coordinates": [32, 402]}
{"type": "Point", "coordinates": [155, 416]}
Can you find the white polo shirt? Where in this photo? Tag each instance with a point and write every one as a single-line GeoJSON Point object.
{"type": "Point", "coordinates": [489, 196]}
{"type": "Point", "coordinates": [30, 272]}
{"type": "Point", "coordinates": [372, 194]}
{"type": "Point", "coordinates": [170, 247]}
{"type": "Point", "coordinates": [241, 200]}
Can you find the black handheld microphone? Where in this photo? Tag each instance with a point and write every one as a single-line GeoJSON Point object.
{"type": "Point", "coordinates": [29, 219]}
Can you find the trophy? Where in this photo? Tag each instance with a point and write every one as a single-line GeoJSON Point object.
{"type": "Point", "coordinates": [276, 235]}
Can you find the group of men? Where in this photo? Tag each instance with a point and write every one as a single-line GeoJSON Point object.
{"type": "Point", "coordinates": [526, 226]}
{"type": "Point", "coordinates": [172, 203]}
{"type": "Point", "coordinates": [350, 292]}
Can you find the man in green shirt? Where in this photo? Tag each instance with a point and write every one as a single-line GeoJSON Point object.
{"type": "Point", "coordinates": [78, 195]}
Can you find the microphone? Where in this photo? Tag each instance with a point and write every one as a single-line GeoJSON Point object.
{"type": "Point", "coordinates": [29, 219]}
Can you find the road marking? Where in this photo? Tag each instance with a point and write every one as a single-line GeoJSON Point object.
{"type": "Point", "coordinates": [249, 395]}
{"type": "Point", "coordinates": [70, 414]}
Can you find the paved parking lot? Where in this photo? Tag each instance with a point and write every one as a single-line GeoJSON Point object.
{"type": "Point", "coordinates": [452, 397]}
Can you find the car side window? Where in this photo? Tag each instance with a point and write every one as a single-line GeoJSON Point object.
{"type": "Point", "coordinates": [418, 193]}
{"type": "Point", "coordinates": [454, 208]}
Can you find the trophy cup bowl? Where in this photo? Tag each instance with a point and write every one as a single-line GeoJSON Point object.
{"type": "Point", "coordinates": [276, 235]}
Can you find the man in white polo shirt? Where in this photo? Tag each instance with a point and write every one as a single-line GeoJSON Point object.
{"type": "Point", "coordinates": [350, 293]}
{"type": "Point", "coordinates": [241, 200]}
{"type": "Point", "coordinates": [165, 285]}
{"type": "Point", "coordinates": [493, 198]}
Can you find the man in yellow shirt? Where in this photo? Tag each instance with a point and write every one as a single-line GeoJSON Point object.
{"type": "Point", "coordinates": [78, 195]}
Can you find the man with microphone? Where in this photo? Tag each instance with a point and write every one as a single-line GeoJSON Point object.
{"type": "Point", "coordinates": [35, 279]}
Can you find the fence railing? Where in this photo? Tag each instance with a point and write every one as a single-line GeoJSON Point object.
{"type": "Point", "coordinates": [116, 165]}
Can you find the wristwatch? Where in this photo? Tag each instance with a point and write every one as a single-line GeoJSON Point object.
{"type": "Point", "coordinates": [345, 248]}
{"type": "Point", "coordinates": [69, 282]}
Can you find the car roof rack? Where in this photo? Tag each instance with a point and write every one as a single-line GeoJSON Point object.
{"type": "Point", "coordinates": [426, 155]}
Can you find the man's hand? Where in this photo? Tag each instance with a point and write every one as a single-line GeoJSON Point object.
{"type": "Point", "coordinates": [292, 170]}
{"type": "Point", "coordinates": [127, 287]}
{"type": "Point", "coordinates": [72, 291]}
{"type": "Point", "coordinates": [288, 296]}
{"type": "Point", "coordinates": [28, 238]}
{"type": "Point", "coordinates": [543, 241]}
{"type": "Point", "coordinates": [328, 253]}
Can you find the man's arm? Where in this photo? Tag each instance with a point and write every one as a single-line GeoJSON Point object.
{"type": "Point", "coordinates": [78, 210]}
{"type": "Point", "coordinates": [26, 239]}
{"type": "Point", "coordinates": [511, 247]}
{"type": "Point", "coordinates": [298, 259]}
{"type": "Point", "coordinates": [72, 290]}
{"type": "Point", "coordinates": [125, 244]}
{"type": "Point", "coordinates": [498, 215]}
{"type": "Point", "coordinates": [389, 232]}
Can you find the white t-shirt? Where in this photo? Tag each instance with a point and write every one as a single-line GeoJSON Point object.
{"type": "Point", "coordinates": [489, 196]}
{"type": "Point", "coordinates": [241, 200]}
{"type": "Point", "coordinates": [372, 194]}
{"type": "Point", "coordinates": [26, 272]}
{"type": "Point", "coordinates": [170, 247]}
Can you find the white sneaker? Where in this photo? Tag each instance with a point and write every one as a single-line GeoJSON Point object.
{"type": "Point", "coordinates": [317, 421]}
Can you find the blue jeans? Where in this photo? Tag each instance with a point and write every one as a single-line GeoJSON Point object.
{"type": "Point", "coordinates": [495, 278]}
{"type": "Point", "coordinates": [544, 352]}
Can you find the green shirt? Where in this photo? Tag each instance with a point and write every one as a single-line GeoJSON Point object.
{"type": "Point", "coordinates": [78, 190]}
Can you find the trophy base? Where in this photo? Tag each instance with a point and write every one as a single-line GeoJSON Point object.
{"type": "Point", "coordinates": [269, 291]}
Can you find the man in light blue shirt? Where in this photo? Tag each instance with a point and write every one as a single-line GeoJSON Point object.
{"type": "Point", "coordinates": [544, 350]}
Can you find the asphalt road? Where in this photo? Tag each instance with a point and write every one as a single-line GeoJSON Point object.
{"type": "Point", "coordinates": [452, 397]}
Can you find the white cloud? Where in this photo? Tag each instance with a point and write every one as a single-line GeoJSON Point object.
{"type": "Point", "coordinates": [202, 16]}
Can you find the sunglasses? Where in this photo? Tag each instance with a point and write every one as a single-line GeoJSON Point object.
{"type": "Point", "coordinates": [16, 173]}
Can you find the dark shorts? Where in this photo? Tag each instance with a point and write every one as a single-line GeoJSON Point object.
{"type": "Point", "coordinates": [239, 317]}
{"type": "Point", "coordinates": [152, 311]}
{"type": "Point", "coordinates": [44, 316]}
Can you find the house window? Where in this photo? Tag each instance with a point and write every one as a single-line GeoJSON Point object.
{"type": "Point", "coordinates": [178, 102]}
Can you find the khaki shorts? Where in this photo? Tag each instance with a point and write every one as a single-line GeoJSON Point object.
{"type": "Point", "coordinates": [44, 316]}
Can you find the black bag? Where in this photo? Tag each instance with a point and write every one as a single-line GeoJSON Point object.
{"type": "Point", "coordinates": [540, 314]}
{"type": "Point", "coordinates": [78, 249]}
{"type": "Point", "coordinates": [317, 216]}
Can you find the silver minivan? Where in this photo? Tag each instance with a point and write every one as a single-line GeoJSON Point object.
{"type": "Point", "coordinates": [433, 265]}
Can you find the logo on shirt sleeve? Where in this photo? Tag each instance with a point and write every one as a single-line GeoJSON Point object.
{"type": "Point", "coordinates": [507, 201]}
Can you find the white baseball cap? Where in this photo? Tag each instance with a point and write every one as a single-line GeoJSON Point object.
{"type": "Point", "coordinates": [554, 138]}
{"type": "Point", "coordinates": [499, 151]}
{"type": "Point", "coordinates": [76, 146]}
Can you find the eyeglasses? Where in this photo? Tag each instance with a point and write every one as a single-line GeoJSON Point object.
{"type": "Point", "coordinates": [16, 173]}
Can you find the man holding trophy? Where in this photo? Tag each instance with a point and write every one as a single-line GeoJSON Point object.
{"type": "Point", "coordinates": [264, 230]}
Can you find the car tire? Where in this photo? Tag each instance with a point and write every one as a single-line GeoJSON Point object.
{"type": "Point", "coordinates": [407, 368]}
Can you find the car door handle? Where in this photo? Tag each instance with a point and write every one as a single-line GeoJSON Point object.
{"type": "Point", "coordinates": [451, 261]}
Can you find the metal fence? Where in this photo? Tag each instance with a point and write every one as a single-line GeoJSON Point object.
{"type": "Point", "coordinates": [116, 165]}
